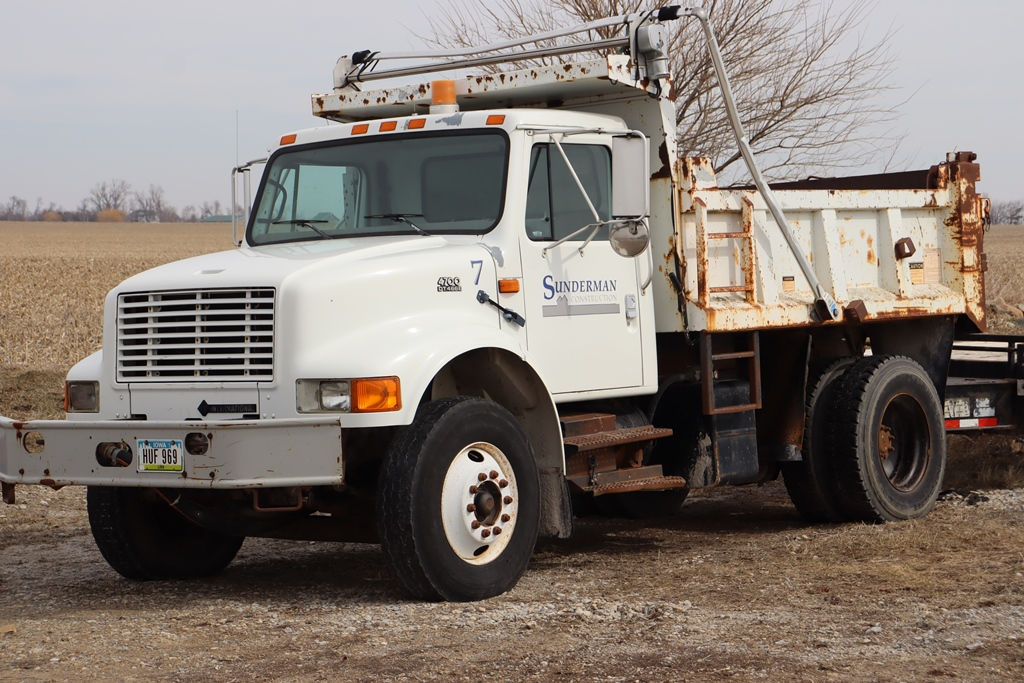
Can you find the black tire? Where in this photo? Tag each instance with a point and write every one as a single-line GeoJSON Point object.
{"type": "Point", "coordinates": [143, 538]}
{"type": "Point", "coordinates": [813, 483]}
{"type": "Point", "coordinates": [428, 480]}
{"type": "Point", "coordinates": [889, 440]}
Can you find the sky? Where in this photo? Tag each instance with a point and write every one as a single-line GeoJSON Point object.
{"type": "Point", "coordinates": [175, 93]}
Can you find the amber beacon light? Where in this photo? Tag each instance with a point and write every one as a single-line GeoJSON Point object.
{"type": "Point", "coordinates": [443, 97]}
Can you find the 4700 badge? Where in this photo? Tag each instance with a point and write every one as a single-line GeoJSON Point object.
{"type": "Point", "coordinates": [160, 455]}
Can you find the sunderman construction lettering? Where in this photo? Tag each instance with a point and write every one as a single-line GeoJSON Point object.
{"type": "Point", "coordinates": [553, 286]}
{"type": "Point", "coordinates": [579, 297]}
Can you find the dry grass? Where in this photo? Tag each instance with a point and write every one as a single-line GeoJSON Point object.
{"type": "Point", "coordinates": [53, 280]}
{"type": "Point", "coordinates": [1004, 245]}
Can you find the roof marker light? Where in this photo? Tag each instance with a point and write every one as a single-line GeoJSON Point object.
{"type": "Point", "coordinates": [495, 119]}
{"type": "Point", "coordinates": [417, 123]}
{"type": "Point", "coordinates": [386, 126]}
{"type": "Point", "coordinates": [288, 139]}
{"type": "Point", "coordinates": [361, 128]}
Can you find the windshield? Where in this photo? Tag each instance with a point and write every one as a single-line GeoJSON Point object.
{"type": "Point", "coordinates": [393, 185]}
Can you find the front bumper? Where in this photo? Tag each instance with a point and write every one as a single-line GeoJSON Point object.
{"type": "Point", "coordinates": [241, 454]}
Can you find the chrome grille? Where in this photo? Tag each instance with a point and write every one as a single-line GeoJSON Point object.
{"type": "Point", "coordinates": [214, 335]}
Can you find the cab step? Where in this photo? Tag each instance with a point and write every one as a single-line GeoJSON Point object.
{"type": "Point", "coordinates": [601, 458]}
{"type": "Point", "coordinates": [617, 437]}
{"type": "Point", "coordinates": [649, 478]}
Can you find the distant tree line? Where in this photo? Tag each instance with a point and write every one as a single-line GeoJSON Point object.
{"type": "Point", "coordinates": [1007, 213]}
{"type": "Point", "coordinates": [113, 201]}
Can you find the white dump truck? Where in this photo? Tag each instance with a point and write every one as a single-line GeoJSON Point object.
{"type": "Point", "coordinates": [463, 307]}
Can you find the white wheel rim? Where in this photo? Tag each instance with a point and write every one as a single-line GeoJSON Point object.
{"type": "Point", "coordinates": [479, 503]}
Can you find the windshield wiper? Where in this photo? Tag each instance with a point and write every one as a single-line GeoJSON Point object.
{"type": "Point", "coordinates": [308, 223]}
{"type": "Point", "coordinates": [402, 218]}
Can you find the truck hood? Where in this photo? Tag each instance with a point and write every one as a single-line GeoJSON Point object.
{"type": "Point", "coordinates": [272, 265]}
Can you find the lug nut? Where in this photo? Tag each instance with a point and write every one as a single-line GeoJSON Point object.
{"type": "Point", "coordinates": [506, 517]}
{"type": "Point", "coordinates": [502, 483]}
{"type": "Point", "coordinates": [494, 475]}
{"type": "Point", "coordinates": [471, 508]}
{"type": "Point", "coordinates": [508, 500]}
{"type": "Point", "coordinates": [475, 524]}
{"type": "Point", "coordinates": [481, 477]}
{"type": "Point", "coordinates": [473, 490]}
{"type": "Point", "coordinates": [485, 533]}
{"type": "Point", "coordinates": [497, 530]}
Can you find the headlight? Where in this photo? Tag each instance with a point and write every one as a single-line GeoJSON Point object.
{"type": "Point", "coordinates": [364, 395]}
{"type": "Point", "coordinates": [81, 397]}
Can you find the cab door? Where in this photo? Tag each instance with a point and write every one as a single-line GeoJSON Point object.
{"type": "Point", "coordinates": [582, 299]}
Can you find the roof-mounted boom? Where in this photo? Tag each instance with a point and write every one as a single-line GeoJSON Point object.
{"type": "Point", "coordinates": [646, 41]}
{"type": "Point", "coordinates": [645, 38]}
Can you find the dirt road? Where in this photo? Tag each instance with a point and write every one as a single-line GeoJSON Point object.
{"type": "Point", "coordinates": [736, 588]}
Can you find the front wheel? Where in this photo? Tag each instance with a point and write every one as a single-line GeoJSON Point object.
{"type": "Point", "coordinates": [458, 503]}
{"type": "Point", "coordinates": [889, 441]}
{"type": "Point", "coordinates": [143, 538]}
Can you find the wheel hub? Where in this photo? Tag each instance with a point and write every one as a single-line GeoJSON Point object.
{"type": "Point", "coordinates": [479, 503]}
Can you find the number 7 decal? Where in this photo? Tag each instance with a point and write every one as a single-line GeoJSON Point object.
{"type": "Point", "coordinates": [479, 269]}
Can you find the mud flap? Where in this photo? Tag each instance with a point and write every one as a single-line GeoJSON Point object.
{"type": "Point", "coordinates": [556, 519]}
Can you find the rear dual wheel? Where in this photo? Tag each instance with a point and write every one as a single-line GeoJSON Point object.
{"type": "Point", "coordinates": [874, 443]}
{"type": "Point", "coordinates": [889, 440]}
{"type": "Point", "coordinates": [812, 482]}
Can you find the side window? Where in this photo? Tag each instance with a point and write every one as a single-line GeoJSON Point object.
{"type": "Point", "coordinates": [555, 207]}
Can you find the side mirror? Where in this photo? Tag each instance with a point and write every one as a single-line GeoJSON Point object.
{"type": "Point", "coordinates": [630, 177]}
{"type": "Point", "coordinates": [629, 238]}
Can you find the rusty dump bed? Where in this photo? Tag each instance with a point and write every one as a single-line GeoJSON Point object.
{"type": "Point", "coordinates": [909, 247]}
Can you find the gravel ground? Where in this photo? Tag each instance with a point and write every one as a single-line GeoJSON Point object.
{"type": "Point", "coordinates": [735, 588]}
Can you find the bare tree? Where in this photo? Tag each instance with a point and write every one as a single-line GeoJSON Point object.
{"type": "Point", "coordinates": [190, 214]}
{"type": "Point", "coordinates": [1007, 213]}
{"type": "Point", "coordinates": [807, 85]}
{"type": "Point", "coordinates": [109, 195]}
{"type": "Point", "coordinates": [209, 209]}
{"type": "Point", "coordinates": [149, 206]}
{"type": "Point", "coordinates": [15, 210]}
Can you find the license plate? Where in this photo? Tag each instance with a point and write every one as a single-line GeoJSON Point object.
{"type": "Point", "coordinates": [160, 455]}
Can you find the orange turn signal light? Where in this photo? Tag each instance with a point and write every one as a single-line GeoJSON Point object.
{"type": "Point", "coordinates": [376, 395]}
{"type": "Point", "coordinates": [509, 286]}
{"type": "Point", "coordinates": [288, 139]}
